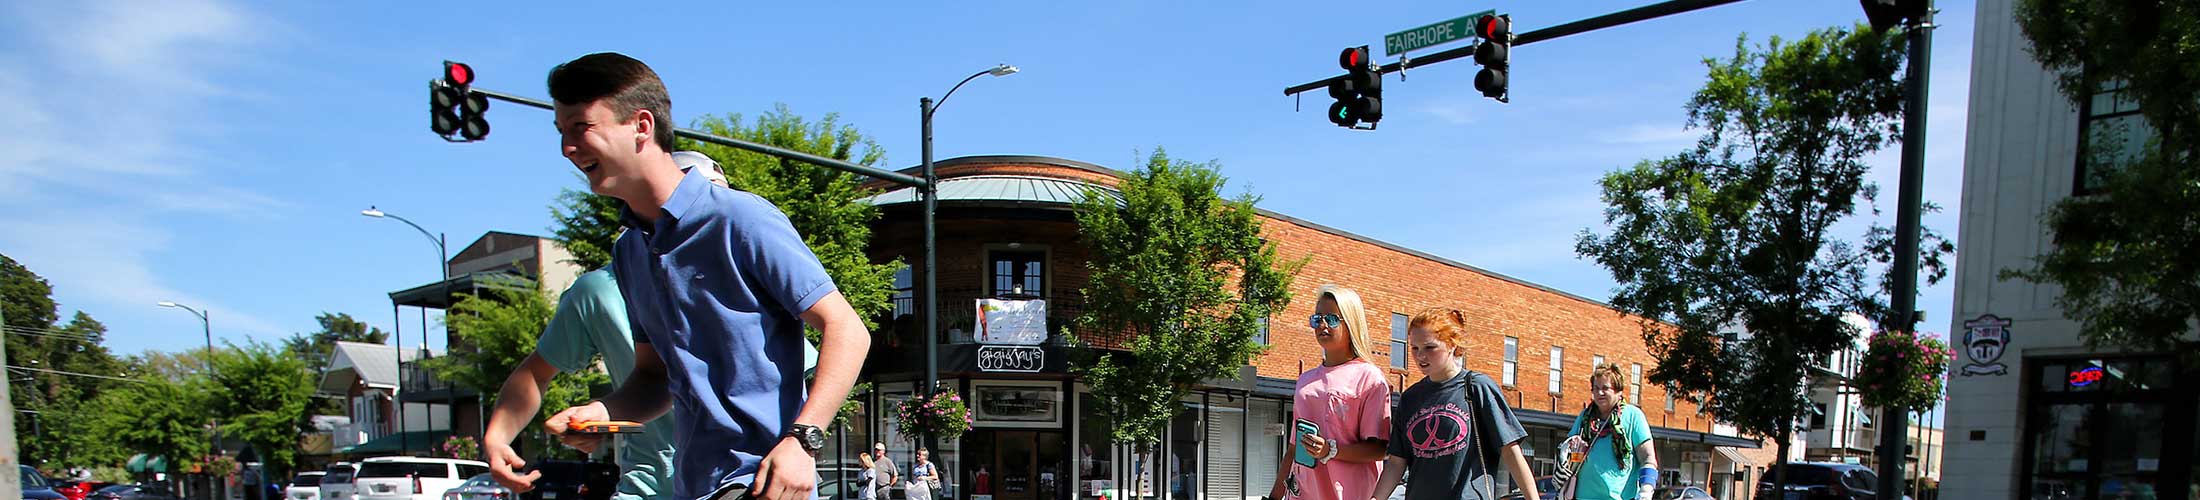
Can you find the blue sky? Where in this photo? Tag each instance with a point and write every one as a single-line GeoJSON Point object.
{"type": "Point", "coordinates": [217, 153]}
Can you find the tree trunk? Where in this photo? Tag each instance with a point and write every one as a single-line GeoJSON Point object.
{"type": "Point", "coordinates": [1779, 471]}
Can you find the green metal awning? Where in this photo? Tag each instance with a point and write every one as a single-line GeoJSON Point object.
{"type": "Point", "coordinates": [143, 463]}
{"type": "Point", "coordinates": [415, 440]}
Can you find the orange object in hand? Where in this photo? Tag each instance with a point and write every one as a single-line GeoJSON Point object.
{"type": "Point", "coordinates": [604, 427]}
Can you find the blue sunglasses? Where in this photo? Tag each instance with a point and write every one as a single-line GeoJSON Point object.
{"type": "Point", "coordinates": [1324, 320]}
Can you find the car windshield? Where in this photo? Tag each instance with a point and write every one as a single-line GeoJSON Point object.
{"type": "Point", "coordinates": [1803, 475]}
{"type": "Point", "coordinates": [31, 479]}
{"type": "Point", "coordinates": [116, 488]}
{"type": "Point", "coordinates": [306, 480]}
{"type": "Point", "coordinates": [340, 474]}
{"type": "Point", "coordinates": [404, 469]}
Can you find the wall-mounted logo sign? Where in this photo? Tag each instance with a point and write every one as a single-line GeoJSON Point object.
{"type": "Point", "coordinates": [1011, 359]}
{"type": "Point", "coordinates": [2085, 376]}
{"type": "Point", "coordinates": [1985, 339]}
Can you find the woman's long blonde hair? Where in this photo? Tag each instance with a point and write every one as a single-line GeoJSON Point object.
{"type": "Point", "coordinates": [1355, 317]}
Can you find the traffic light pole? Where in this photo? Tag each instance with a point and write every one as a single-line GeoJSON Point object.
{"type": "Point", "coordinates": [1909, 207]}
{"type": "Point", "coordinates": [1642, 13]}
{"type": "Point", "coordinates": [835, 164]}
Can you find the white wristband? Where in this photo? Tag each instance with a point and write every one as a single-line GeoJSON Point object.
{"type": "Point", "coordinates": [1332, 448]}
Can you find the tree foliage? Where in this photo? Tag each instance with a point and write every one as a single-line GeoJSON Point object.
{"type": "Point", "coordinates": [260, 392]}
{"type": "Point", "coordinates": [1186, 276]}
{"type": "Point", "coordinates": [63, 365]}
{"type": "Point", "coordinates": [2127, 257]}
{"type": "Point", "coordinates": [1737, 234]}
{"type": "Point", "coordinates": [588, 223]}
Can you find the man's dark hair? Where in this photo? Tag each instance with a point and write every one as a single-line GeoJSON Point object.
{"type": "Point", "coordinates": [623, 83]}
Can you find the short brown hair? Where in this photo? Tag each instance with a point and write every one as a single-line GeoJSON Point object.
{"type": "Point", "coordinates": [623, 83]}
{"type": "Point", "coordinates": [1610, 372]}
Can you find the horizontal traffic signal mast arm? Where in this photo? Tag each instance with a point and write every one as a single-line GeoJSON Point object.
{"type": "Point", "coordinates": [873, 172]}
{"type": "Point", "coordinates": [1642, 13]}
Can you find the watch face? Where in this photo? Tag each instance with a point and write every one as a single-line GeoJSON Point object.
{"type": "Point", "coordinates": [811, 437]}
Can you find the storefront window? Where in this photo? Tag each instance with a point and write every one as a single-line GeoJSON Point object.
{"type": "Point", "coordinates": [1094, 449]}
{"type": "Point", "coordinates": [2063, 442]}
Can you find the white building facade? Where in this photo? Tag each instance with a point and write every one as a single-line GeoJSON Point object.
{"type": "Point", "coordinates": [2034, 413]}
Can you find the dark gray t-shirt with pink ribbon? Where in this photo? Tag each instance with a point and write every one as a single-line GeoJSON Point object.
{"type": "Point", "coordinates": [1450, 433]}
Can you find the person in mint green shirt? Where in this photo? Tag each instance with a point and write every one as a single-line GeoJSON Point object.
{"type": "Point", "coordinates": [590, 321]}
{"type": "Point", "coordinates": [1621, 464]}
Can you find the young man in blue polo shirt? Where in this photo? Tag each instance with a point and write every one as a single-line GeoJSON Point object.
{"type": "Point", "coordinates": [718, 287]}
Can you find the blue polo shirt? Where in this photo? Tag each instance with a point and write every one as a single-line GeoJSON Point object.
{"type": "Point", "coordinates": [717, 285]}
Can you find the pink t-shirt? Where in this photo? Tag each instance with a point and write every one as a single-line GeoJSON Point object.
{"type": "Point", "coordinates": [1350, 403]}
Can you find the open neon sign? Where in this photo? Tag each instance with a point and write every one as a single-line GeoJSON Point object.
{"type": "Point", "coordinates": [2085, 376]}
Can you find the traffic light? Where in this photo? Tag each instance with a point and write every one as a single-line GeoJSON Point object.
{"type": "Point", "coordinates": [1359, 94]}
{"type": "Point", "coordinates": [454, 108]}
{"type": "Point", "coordinates": [1495, 56]}
{"type": "Point", "coordinates": [1885, 14]}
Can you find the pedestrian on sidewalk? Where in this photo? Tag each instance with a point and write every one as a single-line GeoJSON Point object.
{"type": "Point", "coordinates": [718, 287]}
{"type": "Point", "coordinates": [1621, 463]}
{"type": "Point", "coordinates": [1346, 402]}
{"type": "Point", "coordinates": [1454, 426]}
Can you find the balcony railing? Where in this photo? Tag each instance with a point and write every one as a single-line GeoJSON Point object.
{"type": "Point", "coordinates": [356, 433]}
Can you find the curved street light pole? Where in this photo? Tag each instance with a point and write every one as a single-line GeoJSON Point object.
{"type": "Point", "coordinates": [443, 267]}
{"type": "Point", "coordinates": [931, 191]}
{"type": "Point", "coordinates": [205, 326]}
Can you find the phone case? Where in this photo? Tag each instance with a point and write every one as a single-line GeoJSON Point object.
{"type": "Point", "coordinates": [1299, 454]}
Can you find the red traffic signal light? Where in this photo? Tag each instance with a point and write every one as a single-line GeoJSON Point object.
{"type": "Point", "coordinates": [458, 73]}
{"type": "Point", "coordinates": [1353, 58]}
{"type": "Point", "coordinates": [1490, 27]}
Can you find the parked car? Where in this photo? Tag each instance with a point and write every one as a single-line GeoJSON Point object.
{"type": "Point", "coordinates": [1546, 488]}
{"type": "Point", "coordinates": [1682, 492]}
{"type": "Point", "coordinates": [306, 486]}
{"type": "Point", "coordinates": [77, 490]}
{"type": "Point", "coordinates": [153, 491]}
{"type": "Point", "coordinates": [1821, 481]}
{"type": "Point", "coordinates": [479, 487]}
{"type": "Point", "coordinates": [36, 487]}
{"type": "Point", "coordinates": [571, 480]}
{"type": "Point", "coordinates": [337, 484]}
{"type": "Point", "coordinates": [411, 478]}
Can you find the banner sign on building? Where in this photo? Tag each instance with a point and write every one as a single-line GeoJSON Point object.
{"type": "Point", "coordinates": [1012, 322]}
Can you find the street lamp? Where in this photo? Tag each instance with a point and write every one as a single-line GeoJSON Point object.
{"type": "Point", "coordinates": [443, 266]}
{"type": "Point", "coordinates": [206, 326]}
{"type": "Point", "coordinates": [926, 107]}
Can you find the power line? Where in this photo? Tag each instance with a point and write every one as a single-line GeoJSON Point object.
{"type": "Point", "coordinates": [74, 374]}
{"type": "Point", "coordinates": [46, 331]}
{"type": "Point", "coordinates": [57, 336]}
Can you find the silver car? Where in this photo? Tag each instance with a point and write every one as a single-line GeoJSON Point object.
{"type": "Point", "coordinates": [479, 487]}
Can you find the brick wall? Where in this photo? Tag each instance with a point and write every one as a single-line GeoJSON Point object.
{"type": "Point", "coordinates": [1389, 280]}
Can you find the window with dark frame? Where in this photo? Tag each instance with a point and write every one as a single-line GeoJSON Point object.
{"type": "Point", "coordinates": [1398, 340]}
{"type": "Point", "coordinates": [1010, 270]}
{"type": "Point", "coordinates": [2111, 133]}
{"type": "Point", "coordinates": [1512, 360]}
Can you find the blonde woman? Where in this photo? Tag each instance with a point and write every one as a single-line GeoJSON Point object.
{"type": "Point", "coordinates": [1342, 409]}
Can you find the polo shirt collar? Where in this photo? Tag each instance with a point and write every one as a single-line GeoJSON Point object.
{"type": "Point", "coordinates": [677, 208]}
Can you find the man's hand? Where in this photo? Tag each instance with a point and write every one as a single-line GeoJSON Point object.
{"type": "Point", "coordinates": [1644, 492]}
{"type": "Point", "coordinates": [560, 423]}
{"type": "Point", "coordinates": [788, 473]}
{"type": "Point", "coordinates": [504, 466]}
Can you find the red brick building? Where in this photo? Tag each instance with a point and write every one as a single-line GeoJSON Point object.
{"type": "Point", "coordinates": [1006, 226]}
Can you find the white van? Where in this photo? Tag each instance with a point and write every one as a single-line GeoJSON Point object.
{"type": "Point", "coordinates": [411, 478]}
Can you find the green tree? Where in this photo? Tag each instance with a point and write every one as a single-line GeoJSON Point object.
{"type": "Point", "coordinates": [157, 415]}
{"type": "Point", "coordinates": [588, 223]}
{"type": "Point", "coordinates": [1186, 276]}
{"type": "Point", "coordinates": [260, 393]}
{"type": "Point", "coordinates": [823, 204]}
{"type": "Point", "coordinates": [2127, 257]}
{"type": "Point", "coordinates": [64, 365]}
{"type": "Point", "coordinates": [1738, 232]}
{"type": "Point", "coordinates": [492, 334]}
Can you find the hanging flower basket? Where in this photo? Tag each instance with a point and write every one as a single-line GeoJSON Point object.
{"type": "Point", "coordinates": [461, 447]}
{"type": "Point", "coordinates": [943, 414]}
{"type": "Point", "coordinates": [1904, 370]}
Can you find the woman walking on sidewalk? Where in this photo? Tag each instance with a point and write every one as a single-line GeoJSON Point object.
{"type": "Point", "coordinates": [1343, 409]}
{"type": "Point", "coordinates": [1454, 426]}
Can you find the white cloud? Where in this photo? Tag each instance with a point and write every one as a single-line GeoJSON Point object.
{"type": "Point", "coordinates": [108, 134]}
{"type": "Point", "coordinates": [1652, 134]}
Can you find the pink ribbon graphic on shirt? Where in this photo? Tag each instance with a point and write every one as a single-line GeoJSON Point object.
{"type": "Point", "coordinates": [1438, 431]}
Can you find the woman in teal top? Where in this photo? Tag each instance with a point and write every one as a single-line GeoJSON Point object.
{"type": "Point", "coordinates": [1617, 439]}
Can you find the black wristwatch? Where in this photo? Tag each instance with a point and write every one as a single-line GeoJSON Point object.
{"type": "Point", "coordinates": [811, 437]}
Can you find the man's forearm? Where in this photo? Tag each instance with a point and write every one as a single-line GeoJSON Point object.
{"type": "Point", "coordinates": [517, 403]}
{"type": "Point", "coordinates": [843, 346]}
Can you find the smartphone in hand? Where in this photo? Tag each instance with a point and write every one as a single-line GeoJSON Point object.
{"type": "Point", "coordinates": [1299, 454]}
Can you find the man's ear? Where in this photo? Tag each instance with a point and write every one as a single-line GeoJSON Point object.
{"type": "Point", "coordinates": [645, 128]}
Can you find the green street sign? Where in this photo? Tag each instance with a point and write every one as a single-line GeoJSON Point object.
{"type": "Point", "coordinates": [1434, 34]}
